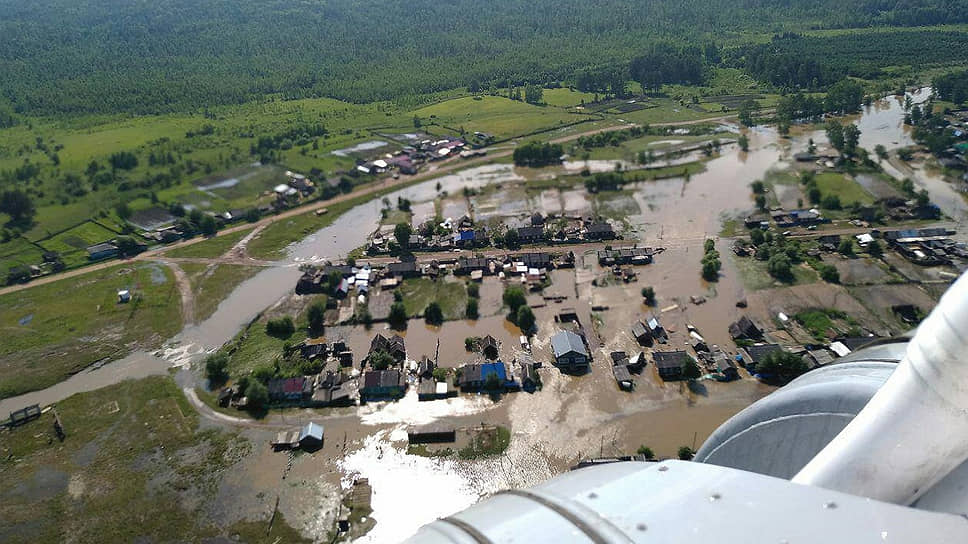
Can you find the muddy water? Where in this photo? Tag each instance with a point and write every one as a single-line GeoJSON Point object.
{"type": "Point", "coordinates": [572, 416]}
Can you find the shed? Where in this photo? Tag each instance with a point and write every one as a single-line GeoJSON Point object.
{"type": "Point", "coordinates": [489, 347]}
{"type": "Point", "coordinates": [430, 434]}
{"type": "Point", "coordinates": [623, 377]}
{"type": "Point", "coordinates": [285, 440]}
{"type": "Point", "coordinates": [641, 334]}
{"type": "Point", "coordinates": [311, 436]}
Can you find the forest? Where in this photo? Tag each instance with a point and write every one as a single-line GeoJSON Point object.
{"type": "Point", "coordinates": [806, 62]}
{"type": "Point", "coordinates": [65, 57]}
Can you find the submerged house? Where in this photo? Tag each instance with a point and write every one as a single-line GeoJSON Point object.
{"type": "Point", "coordinates": [474, 376]}
{"type": "Point", "coordinates": [383, 384]}
{"type": "Point", "coordinates": [670, 364]}
{"type": "Point", "coordinates": [393, 345]}
{"type": "Point", "coordinates": [570, 351]}
{"type": "Point", "coordinates": [745, 328]}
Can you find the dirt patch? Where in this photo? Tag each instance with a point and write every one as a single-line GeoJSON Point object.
{"type": "Point", "coordinates": [858, 271]}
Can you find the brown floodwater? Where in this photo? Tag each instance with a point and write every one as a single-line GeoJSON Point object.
{"type": "Point", "coordinates": [572, 417]}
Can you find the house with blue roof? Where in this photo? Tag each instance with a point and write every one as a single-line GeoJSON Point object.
{"type": "Point", "coordinates": [465, 238]}
{"type": "Point", "coordinates": [474, 376]}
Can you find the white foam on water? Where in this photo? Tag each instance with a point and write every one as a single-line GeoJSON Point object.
{"type": "Point", "coordinates": [409, 491]}
{"type": "Point", "coordinates": [411, 411]}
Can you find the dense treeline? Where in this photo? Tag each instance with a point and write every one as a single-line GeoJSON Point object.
{"type": "Point", "coordinates": [537, 154]}
{"type": "Point", "coordinates": [61, 56]}
{"type": "Point", "coordinates": [953, 86]}
{"type": "Point", "coordinates": [664, 63]}
{"type": "Point", "coordinates": [795, 61]}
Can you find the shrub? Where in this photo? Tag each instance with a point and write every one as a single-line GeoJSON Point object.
{"type": "Point", "coordinates": [316, 315]}
{"type": "Point", "coordinates": [398, 315]}
{"type": "Point", "coordinates": [646, 452]}
{"type": "Point", "coordinates": [514, 298]}
{"type": "Point", "coordinates": [433, 314]}
{"type": "Point", "coordinates": [525, 319]}
{"type": "Point", "coordinates": [280, 328]}
{"type": "Point", "coordinates": [216, 367]}
{"type": "Point", "coordinates": [648, 293]}
{"type": "Point", "coordinates": [257, 394]}
{"type": "Point", "coordinates": [472, 312]}
{"type": "Point", "coordinates": [829, 273]}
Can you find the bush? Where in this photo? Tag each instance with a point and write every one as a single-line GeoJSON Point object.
{"type": "Point", "coordinates": [829, 273]}
{"type": "Point", "coordinates": [473, 290]}
{"type": "Point", "coordinates": [646, 452]}
{"type": "Point", "coordinates": [316, 315]}
{"type": "Point", "coordinates": [514, 298]}
{"type": "Point", "coordinates": [690, 370]}
{"type": "Point", "coordinates": [280, 328]}
{"type": "Point", "coordinates": [782, 365]}
{"type": "Point", "coordinates": [831, 202]}
{"type": "Point", "coordinates": [525, 319]}
{"type": "Point", "coordinates": [780, 268]}
{"type": "Point", "coordinates": [257, 394]}
{"type": "Point", "coordinates": [710, 270]}
{"type": "Point", "coordinates": [686, 453]}
{"type": "Point", "coordinates": [216, 368]}
{"type": "Point", "coordinates": [398, 315]}
{"type": "Point", "coordinates": [756, 236]}
{"type": "Point", "coordinates": [380, 360]}
{"type": "Point", "coordinates": [846, 247]}
{"type": "Point", "coordinates": [433, 314]}
{"type": "Point", "coordinates": [440, 374]}
{"type": "Point", "coordinates": [472, 312]}
{"type": "Point", "coordinates": [648, 293]}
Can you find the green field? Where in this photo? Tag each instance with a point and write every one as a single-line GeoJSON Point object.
{"type": "Point", "coordinates": [215, 246]}
{"type": "Point", "coordinates": [755, 276]}
{"type": "Point", "coordinates": [134, 462]}
{"type": "Point", "coordinates": [500, 117]}
{"type": "Point", "coordinates": [72, 244]}
{"type": "Point", "coordinates": [849, 191]}
{"type": "Point", "coordinates": [566, 98]}
{"type": "Point", "coordinates": [18, 252]}
{"type": "Point", "coordinates": [419, 292]}
{"type": "Point", "coordinates": [48, 336]}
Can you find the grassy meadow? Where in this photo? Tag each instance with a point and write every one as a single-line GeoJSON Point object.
{"type": "Point", "coordinates": [48, 336]}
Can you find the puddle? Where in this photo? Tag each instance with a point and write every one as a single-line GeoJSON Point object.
{"type": "Point", "coordinates": [365, 146]}
{"type": "Point", "coordinates": [158, 276]}
{"type": "Point", "coordinates": [25, 320]}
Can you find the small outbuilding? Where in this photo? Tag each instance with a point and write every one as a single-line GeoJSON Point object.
{"type": "Point", "coordinates": [311, 436]}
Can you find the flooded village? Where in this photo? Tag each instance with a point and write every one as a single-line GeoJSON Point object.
{"type": "Point", "coordinates": [496, 325]}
